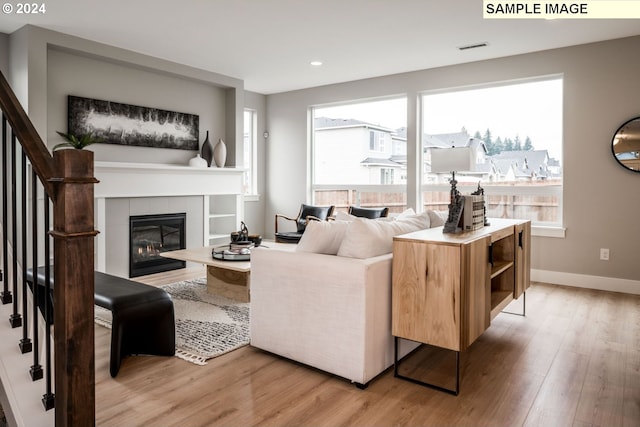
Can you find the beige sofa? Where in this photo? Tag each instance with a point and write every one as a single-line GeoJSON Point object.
{"type": "Point", "coordinates": [332, 312]}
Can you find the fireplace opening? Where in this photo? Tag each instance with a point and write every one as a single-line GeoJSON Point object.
{"type": "Point", "coordinates": [149, 236]}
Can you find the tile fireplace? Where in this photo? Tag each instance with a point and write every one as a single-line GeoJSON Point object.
{"type": "Point", "coordinates": [149, 236]}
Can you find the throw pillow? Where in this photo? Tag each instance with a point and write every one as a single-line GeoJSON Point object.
{"type": "Point", "coordinates": [343, 216]}
{"type": "Point", "coordinates": [437, 218]}
{"type": "Point", "coordinates": [322, 237]}
{"type": "Point", "coordinates": [406, 213]}
{"type": "Point", "coordinates": [421, 221]}
{"type": "Point", "coordinates": [367, 238]}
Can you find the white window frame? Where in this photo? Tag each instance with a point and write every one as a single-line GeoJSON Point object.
{"type": "Point", "coordinates": [555, 229]}
{"type": "Point", "coordinates": [250, 179]}
{"type": "Point", "coordinates": [358, 188]}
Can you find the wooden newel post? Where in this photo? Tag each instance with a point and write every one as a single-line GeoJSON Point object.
{"type": "Point", "coordinates": [73, 233]}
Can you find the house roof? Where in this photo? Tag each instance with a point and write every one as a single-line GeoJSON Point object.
{"type": "Point", "coordinates": [322, 123]}
{"type": "Point", "coordinates": [375, 161]}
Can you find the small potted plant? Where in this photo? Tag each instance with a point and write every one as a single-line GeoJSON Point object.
{"type": "Point", "coordinates": [76, 142]}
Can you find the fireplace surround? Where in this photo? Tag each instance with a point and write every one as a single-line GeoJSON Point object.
{"type": "Point", "coordinates": [149, 236]}
{"type": "Point", "coordinates": [127, 189]}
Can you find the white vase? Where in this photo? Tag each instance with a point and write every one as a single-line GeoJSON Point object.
{"type": "Point", "coordinates": [220, 153]}
{"type": "Point", "coordinates": [198, 162]}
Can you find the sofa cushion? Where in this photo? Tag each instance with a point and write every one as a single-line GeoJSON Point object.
{"type": "Point", "coordinates": [323, 237]}
{"type": "Point", "coordinates": [367, 238]}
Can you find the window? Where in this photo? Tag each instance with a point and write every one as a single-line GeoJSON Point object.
{"type": "Point", "coordinates": [250, 152]}
{"type": "Point", "coordinates": [386, 176]}
{"type": "Point", "coordinates": [516, 130]}
{"type": "Point", "coordinates": [359, 154]}
{"type": "Point", "coordinates": [376, 141]}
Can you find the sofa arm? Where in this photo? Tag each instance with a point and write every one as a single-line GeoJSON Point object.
{"type": "Point", "coordinates": [330, 312]}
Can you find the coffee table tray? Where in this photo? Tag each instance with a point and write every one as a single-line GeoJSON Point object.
{"type": "Point", "coordinates": [229, 253]}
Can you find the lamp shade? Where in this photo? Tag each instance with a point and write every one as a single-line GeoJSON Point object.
{"type": "Point", "coordinates": [456, 159]}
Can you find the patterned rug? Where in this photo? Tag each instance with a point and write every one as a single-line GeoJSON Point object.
{"type": "Point", "coordinates": [206, 325]}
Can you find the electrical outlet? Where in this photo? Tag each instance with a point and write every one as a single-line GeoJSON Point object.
{"type": "Point", "coordinates": [604, 254]}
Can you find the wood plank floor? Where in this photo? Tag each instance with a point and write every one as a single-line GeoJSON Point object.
{"type": "Point", "coordinates": [573, 360]}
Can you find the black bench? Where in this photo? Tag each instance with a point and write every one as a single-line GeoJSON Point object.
{"type": "Point", "coordinates": [143, 319]}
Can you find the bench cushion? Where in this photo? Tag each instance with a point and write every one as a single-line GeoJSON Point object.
{"type": "Point", "coordinates": [143, 318]}
{"type": "Point", "coordinates": [113, 292]}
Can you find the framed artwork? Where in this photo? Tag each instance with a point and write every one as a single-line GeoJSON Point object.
{"type": "Point", "coordinates": [125, 124]}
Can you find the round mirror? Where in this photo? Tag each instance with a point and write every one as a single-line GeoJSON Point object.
{"type": "Point", "coordinates": [626, 144]}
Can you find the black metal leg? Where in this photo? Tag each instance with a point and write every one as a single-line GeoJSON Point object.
{"type": "Point", "coordinates": [396, 365]}
{"type": "Point", "coordinates": [524, 306]}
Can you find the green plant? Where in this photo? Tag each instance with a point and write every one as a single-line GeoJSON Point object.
{"type": "Point", "coordinates": [76, 142]}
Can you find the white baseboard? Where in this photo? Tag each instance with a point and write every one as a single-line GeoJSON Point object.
{"type": "Point", "coordinates": [584, 281]}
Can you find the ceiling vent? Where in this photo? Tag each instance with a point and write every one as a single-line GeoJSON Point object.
{"type": "Point", "coordinates": [473, 46]}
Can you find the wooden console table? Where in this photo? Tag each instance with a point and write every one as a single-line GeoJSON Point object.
{"type": "Point", "coordinates": [447, 287]}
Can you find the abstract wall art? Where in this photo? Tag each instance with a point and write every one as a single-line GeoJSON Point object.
{"type": "Point", "coordinates": [125, 124]}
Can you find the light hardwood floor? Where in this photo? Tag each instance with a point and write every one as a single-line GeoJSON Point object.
{"type": "Point", "coordinates": [573, 360]}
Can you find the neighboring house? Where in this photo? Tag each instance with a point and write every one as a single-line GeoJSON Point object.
{"type": "Point", "coordinates": [339, 144]}
{"type": "Point", "coordinates": [533, 165]}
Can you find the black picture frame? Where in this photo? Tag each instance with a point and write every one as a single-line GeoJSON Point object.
{"type": "Point", "coordinates": [133, 125]}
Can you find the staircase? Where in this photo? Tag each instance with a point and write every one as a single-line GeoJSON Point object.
{"type": "Point", "coordinates": [47, 219]}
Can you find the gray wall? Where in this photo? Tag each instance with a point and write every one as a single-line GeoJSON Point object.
{"type": "Point", "coordinates": [73, 74]}
{"type": "Point", "coordinates": [38, 58]}
{"type": "Point", "coordinates": [4, 54]}
{"type": "Point", "coordinates": [601, 91]}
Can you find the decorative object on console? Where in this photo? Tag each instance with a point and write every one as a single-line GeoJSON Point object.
{"type": "Point", "coordinates": [207, 150]}
{"type": "Point", "coordinates": [626, 145]}
{"type": "Point", "coordinates": [480, 192]}
{"type": "Point", "coordinates": [125, 124]}
{"type": "Point", "coordinates": [472, 212]}
{"type": "Point", "coordinates": [220, 153]}
{"type": "Point", "coordinates": [454, 159]}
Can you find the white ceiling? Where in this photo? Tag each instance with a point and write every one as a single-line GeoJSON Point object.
{"type": "Point", "coordinates": [269, 43]}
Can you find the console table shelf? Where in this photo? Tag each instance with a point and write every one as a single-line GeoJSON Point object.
{"type": "Point", "coordinates": [448, 287]}
{"type": "Point", "coordinates": [500, 267]}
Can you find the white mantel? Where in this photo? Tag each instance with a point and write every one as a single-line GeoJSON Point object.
{"type": "Point", "coordinates": [139, 180]}
{"type": "Point", "coordinates": [119, 179]}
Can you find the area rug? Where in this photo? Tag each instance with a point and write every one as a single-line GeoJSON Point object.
{"type": "Point", "coordinates": [207, 325]}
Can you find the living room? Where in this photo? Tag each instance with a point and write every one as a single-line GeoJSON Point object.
{"type": "Point", "coordinates": [600, 93]}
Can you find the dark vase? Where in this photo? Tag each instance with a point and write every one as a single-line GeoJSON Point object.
{"type": "Point", "coordinates": [207, 150]}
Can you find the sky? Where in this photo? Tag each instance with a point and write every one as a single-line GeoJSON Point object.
{"type": "Point", "coordinates": [532, 109]}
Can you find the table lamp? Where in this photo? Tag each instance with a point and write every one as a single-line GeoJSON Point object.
{"type": "Point", "coordinates": [454, 159]}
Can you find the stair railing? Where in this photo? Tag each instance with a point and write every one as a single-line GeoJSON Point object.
{"type": "Point", "coordinates": [66, 180]}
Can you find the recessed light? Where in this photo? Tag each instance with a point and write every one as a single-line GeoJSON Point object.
{"type": "Point", "coordinates": [316, 63]}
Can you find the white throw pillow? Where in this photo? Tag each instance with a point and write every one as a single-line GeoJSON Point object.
{"type": "Point", "coordinates": [406, 213]}
{"type": "Point", "coordinates": [343, 216]}
{"type": "Point", "coordinates": [322, 237]}
{"type": "Point", "coordinates": [366, 238]}
{"type": "Point", "coordinates": [437, 218]}
{"type": "Point", "coordinates": [421, 221]}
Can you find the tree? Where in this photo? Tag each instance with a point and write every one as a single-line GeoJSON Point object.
{"type": "Point", "coordinates": [528, 145]}
{"type": "Point", "coordinates": [508, 145]}
{"type": "Point", "coordinates": [498, 146]}
{"type": "Point", "coordinates": [517, 145]}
